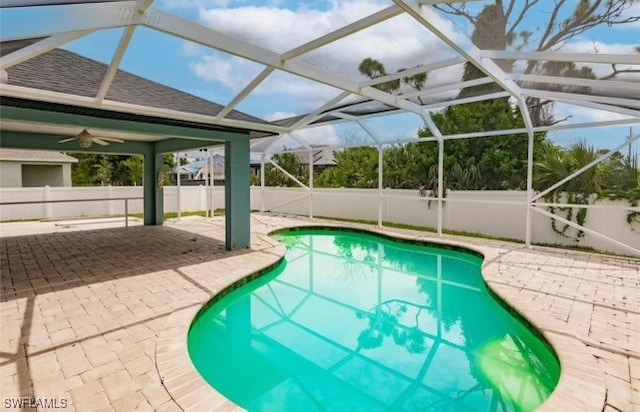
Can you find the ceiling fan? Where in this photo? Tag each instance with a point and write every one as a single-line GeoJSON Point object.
{"type": "Point", "coordinates": [85, 140]}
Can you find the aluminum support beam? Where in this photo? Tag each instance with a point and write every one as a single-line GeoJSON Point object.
{"type": "Point", "coordinates": [480, 98]}
{"type": "Point", "coordinates": [604, 107]}
{"type": "Point", "coordinates": [300, 140]}
{"type": "Point", "coordinates": [380, 182]}
{"type": "Point", "coordinates": [262, 183]}
{"type": "Point", "coordinates": [545, 94]}
{"type": "Point", "coordinates": [178, 187]}
{"type": "Point", "coordinates": [40, 47]}
{"type": "Point", "coordinates": [35, 3]}
{"type": "Point", "coordinates": [563, 57]}
{"type": "Point", "coordinates": [440, 185]}
{"type": "Point", "coordinates": [586, 230]}
{"type": "Point", "coordinates": [81, 17]}
{"type": "Point", "coordinates": [245, 92]}
{"type": "Point", "coordinates": [212, 182]}
{"type": "Point", "coordinates": [575, 81]}
{"type": "Point", "coordinates": [448, 87]}
{"type": "Point", "coordinates": [413, 71]}
{"type": "Point", "coordinates": [289, 175]}
{"type": "Point", "coordinates": [368, 132]}
{"type": "Point", "coordinates": [115, 63]}
{"type": "Point", "coordinates": [313, 116]}
{"type": "Point", "coordinates": [440, 139]}
{"type": "Point", "coordinates": [342, 32]}
{"type": "Point", "coordinates": [310, 184]}
{"type": "Point", "coordinates": [586, 167]}
{"type": "Point", "coordinates": [530, 142]}
{"type": "Point", "coordinates": [429, 19]}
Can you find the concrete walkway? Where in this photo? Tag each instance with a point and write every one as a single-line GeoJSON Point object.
{"type": "Point", "coordinates": [81, 311]}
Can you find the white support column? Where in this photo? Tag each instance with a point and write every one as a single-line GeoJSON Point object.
{"type": "Point", "coordinates": [310, 184]}
{"type": "Point", "coordinates": [438, 135]}
{"type": "Point", "coordinates": [47, 198]}
{"type": "Point", "coordinates": [178, 187]}
{"type": "Point", "coordinates": [206, 192]}
{"type": "Point", "coordinates": [212, 183]}
{"type": "Point", "coordinates": [526, 117]}
{"type": "Point", "coordinates": [380, 177]}
{"type": "Point", "coordinates": [440, 184]}
{"type": "Point", "coordinates": [262, 183]}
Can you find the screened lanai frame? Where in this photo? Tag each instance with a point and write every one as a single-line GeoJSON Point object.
{"type": "Point", "coordinates": [89, 16]}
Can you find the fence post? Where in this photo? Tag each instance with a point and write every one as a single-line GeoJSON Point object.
{"type": "Point", "coordinates": [110, 196]}
{"type": "Point", "coordinates": [47, 206]}
{"type": "Point", "coordinates": [126, 212]}
{"type": "Point", "coordinates": [178, 187]}
{"type": "Point", "coordinates": [201, 195]}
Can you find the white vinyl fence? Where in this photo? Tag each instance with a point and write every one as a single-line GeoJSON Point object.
{"type": "Point", "coordinates": [493, 213]}
{"type": "Point", "coordinates": [192, 198]}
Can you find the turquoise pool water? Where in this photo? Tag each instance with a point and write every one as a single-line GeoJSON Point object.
{"type": "Point", "coordinates": [357, 322]}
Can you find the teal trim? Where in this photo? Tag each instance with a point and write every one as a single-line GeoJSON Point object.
{"type": "Point", "coordinates": [237, 196]}
{"type": "Point", "coordinates": [153, 195]}
{"type": "Point", "coordinates": [70, 119]}
{"type": "Point", "coordinates": [179, 145]}
{"type": "Point", "coordinates": [20, 140]}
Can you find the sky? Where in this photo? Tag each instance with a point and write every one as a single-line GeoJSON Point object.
{"type": "Point", "coordinates": [281, 25]}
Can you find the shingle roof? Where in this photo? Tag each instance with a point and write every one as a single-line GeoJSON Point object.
{"type": "Point", "coordinates": [17, 155]}
{"type": "Point", "coordinates": [67, 72]}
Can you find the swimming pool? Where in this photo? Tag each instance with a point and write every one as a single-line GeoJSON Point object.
{"type": "Point", "coordinates": [355, 321]}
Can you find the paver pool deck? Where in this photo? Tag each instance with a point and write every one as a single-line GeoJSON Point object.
{"type": "Point", "coordinates": [97, 317]}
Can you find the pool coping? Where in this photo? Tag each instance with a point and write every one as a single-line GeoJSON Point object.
{"type": "Point", "coordinates": [581, 386]}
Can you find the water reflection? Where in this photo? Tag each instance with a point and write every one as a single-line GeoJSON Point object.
{"type": "Point", "coordinates": [353, 322]}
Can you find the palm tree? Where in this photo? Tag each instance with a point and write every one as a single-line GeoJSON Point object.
{"type": "Point", "coordinates": [557, 164]}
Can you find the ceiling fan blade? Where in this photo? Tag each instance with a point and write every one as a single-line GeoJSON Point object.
{"type": "Point", "coordinates": [111, 139]}
{"type": "Point", "coordinates": [67, 140]}
{"type": "Point", "coordinates": [100, 142]}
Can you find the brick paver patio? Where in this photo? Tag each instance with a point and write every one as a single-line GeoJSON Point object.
{"type": "Point", "coordinates": [81, 312]}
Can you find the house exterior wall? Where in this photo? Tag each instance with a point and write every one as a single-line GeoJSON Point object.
{"type": "Point", "coordinates": [42, 175]}
{"type": "Point", "coordinates": [10, 174]}
{"type": "Point", "coordinates": [66, 175]}
{"type": "Point", "coordinates": [19, 174]}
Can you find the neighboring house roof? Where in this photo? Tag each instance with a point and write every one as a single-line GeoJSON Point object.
{"type": "Point", "coordinates": [63, 71]}
{"type": "Point", "coordinates": [41, 156]}
{"type": "Point", "coordinates": [200, 167]}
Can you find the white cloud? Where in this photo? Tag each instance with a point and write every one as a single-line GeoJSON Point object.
{"type": "Point", "coordinates": [278, 115]}
{"type": "Point", "coordinates": [231, 72]}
